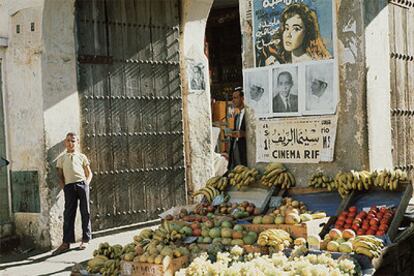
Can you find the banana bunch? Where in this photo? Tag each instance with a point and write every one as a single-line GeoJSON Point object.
{"type": "Point", "coordinates": [353, 180]}
{"type": "Point", "coordinates": [368, 245]}
{"type": "Point", "coordinates": [319, 180]}
{"type": "Point", "coordinates": [363, 180]}
{"type": "Point", "coordinates": [276, 238]}
{"type": "Point", "coordinates": [209, 192]}
{"type": "Point", "coordinates": [144, 237]}
{"type": "Point", "coordinates": [242, 176]}
{"type": "Point", "coordinates": [96, 264]}
{"type": "Point", "coordinates": [166, 234]}
{"type": "Point", "coordinates": [277, 175]}
{"type": "Point", "coordinates": [111, 267]}
{"type": "Point", "coordinates": [112, 252]}
{"type": "Point", "coordinates": [388, 179]}
{"type": "Point", "coordinates": [218, 182]}
{"type": "Point", "coordinates": [106, 259]}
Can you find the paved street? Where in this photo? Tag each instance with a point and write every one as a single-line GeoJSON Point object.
{"type": "Point", "coordinates": [46, 264]}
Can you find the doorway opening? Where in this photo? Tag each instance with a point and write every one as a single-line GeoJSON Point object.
{"type": "Point", "coordinates": [223, 49]}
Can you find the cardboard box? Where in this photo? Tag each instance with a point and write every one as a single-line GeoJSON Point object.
{"type": "Point", "coordinates": [145, 269]}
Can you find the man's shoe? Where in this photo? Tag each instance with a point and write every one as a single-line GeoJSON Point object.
{"type": "Point", "coordinates": [83, 245]}
{"type": "Point", "coordinates": [61, 249]}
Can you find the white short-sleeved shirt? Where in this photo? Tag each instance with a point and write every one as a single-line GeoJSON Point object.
{"type": "Point", "coordinates": [73, 164]}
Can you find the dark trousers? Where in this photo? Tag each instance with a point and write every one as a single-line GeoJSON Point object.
{"type": "Point", "coordinates": [73, 193]}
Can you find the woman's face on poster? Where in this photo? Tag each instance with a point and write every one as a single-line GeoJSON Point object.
{"type": "Point", "coordinates": [294, 33]}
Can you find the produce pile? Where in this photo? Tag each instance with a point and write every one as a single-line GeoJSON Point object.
{"type": "Point", "coordinates": [348, 242]}
{"type": "Point", "coordinates": [276, 174]}
{"type": "Point", "coordinates": [364, 180]}
{"type": "Point", "coordinates": [237, 263]}
{"type": "Point", "coordinates": [375, 222]}
{"type": "Point", "coordinates": [205, 211]}
{"type": "Point", "coordinates": [107, 258]}
{"type": "Point", "coordinates": [319, 180]}
{"type": "Point", "coordinates": [289, 212]}
{"type": "Point", "coordinates": [214, 234]}
{"type": "Point", "coordinates": [242, 176]}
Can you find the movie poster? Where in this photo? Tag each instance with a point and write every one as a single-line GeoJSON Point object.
{"type": "Point", "coordinates": [294, 39]}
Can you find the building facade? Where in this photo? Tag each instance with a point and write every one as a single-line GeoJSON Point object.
{"type": "Point", "coordinates": [119, 73]}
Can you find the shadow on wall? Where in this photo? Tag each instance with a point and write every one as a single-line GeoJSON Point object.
{"type": "Point", "coordinates": [52, 179]}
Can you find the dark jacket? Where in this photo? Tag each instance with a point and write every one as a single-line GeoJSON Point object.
{"type": "Point", "coordinates": [240, 143]}
{"type": "Point", "coordinates": [279, 106]}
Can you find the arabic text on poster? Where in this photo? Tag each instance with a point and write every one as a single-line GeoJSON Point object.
{"type": "Point", "coordinates": [299, 140]}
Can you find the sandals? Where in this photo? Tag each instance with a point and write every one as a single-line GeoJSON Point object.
{"type": "Point", "coordinates": [61, 249]}
{"type": "Point", "coordinates": [83, 245]}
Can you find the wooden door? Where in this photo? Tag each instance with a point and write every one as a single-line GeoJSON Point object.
{"type": "Point", "coordinates": [129, 86]}
{"type": "Point", "coordinates": [402, 83]}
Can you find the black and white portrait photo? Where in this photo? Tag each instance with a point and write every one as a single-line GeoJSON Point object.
{"type": "Point", "coordinates": [320, 97]}
{"type": "Point", "coordinates": [196, 76]}
{"type": "Point", "coordinates": [256, 90]}
{"type": "Point", "coordinates": [285, 90]}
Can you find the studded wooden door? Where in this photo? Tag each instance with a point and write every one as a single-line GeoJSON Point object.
{"type": "Point", "coordinates": [402, 83]}
{"type": "Point", "coordinates": [129, 88]}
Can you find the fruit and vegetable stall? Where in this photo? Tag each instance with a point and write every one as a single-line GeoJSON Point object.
{"type": "Point", "coordinates": [255, 221]}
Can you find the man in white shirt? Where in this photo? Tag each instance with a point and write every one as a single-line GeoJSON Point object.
{"type": "Point", "coordinates": [319, 97]}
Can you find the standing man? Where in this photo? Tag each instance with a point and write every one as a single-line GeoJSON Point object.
{"type": "Point", "coordinates": [75, 175]}
{"type": "Point", "coordinates": [238, 151]}
{"type": "Point", "coordinates": [285, 101]}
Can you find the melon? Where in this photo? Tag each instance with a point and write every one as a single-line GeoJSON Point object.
{"type": "Point", "coordinates": [292, 218]}
{"type": "Point", "coordinates": [345, 247]}
{"type": "Point", "coordinates": [335, 234]}
{"type": "Point", "coordinates": [249, 239]}
{"type": "Point", "coordinates": [226, 241]}
{"type": "Point", "coordinates": [332, 246]}
{"type": "Point", "coordinates": [257, 220]}
{"type": "Point", "coordinates": [279, 219]}
{"type": "Point", "coordinates": [237, 242]}
{"type": "Point", "coordinates": [226, 232]}
{"type": "Point", "coordinates": [238, 228]}
{"type": "Point", "coordinates": [207, 240]}
{"type": "Point", "coordinates": [215, 233]}
{"type": "Point", "coordinates": [348, 234]}
{"type": "Point", "coordinates": [216, 240]}
{"type": "Point", "coordinates": [227, 224]}
{"type": "Point", "coordinates": [267, 219]}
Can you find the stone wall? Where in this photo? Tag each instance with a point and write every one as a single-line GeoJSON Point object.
{"type": "Point", "coordinates": [351, 147]}
{"type": "Point", "coordinates": [196, 106]}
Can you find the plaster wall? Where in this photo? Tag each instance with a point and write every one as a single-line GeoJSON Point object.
{"type": "Point", "coordinates": [41, 103]}
{"type": "Point", "coordinates": [196, 106]}
{"type": "Point", "coordinates": [378, 83]}
{"type": "Point", "coordinates": [24, 108]}
{"type": "Point", "coordinates": [351, 147]}
{"type": "Point", "coordinates": [61, 107]}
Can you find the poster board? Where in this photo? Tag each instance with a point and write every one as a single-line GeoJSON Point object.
{"type": "Point", "coordinates": [296, 140]}
{"type": "Point", "coordinates": [294, 46]}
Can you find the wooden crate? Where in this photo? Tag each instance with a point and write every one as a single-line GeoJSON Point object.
{"type": "Point", "coordinates": [145, 269]}
{"type": "Point", "coordinates": [302, 230]}
{"type": "Point", "coordinates": [401, 198]}
{"type": "Point", "coordinates": [264, 250]}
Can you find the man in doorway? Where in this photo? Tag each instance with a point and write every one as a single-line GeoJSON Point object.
{"type": "Point", "coordinates": [238, 152]}
{"type": "Point", "coordinates": [285, 101]}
